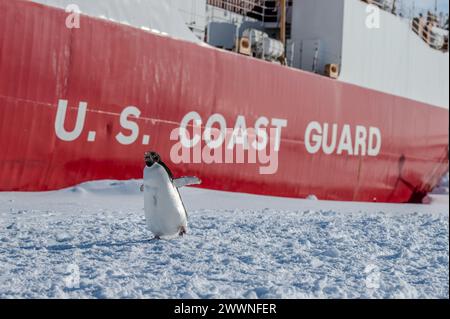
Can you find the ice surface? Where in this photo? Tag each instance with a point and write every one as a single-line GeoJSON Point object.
{"type": "Point", "coordinates": [443, 187]}
{"type": "Point", "coordinates": [91, 241]}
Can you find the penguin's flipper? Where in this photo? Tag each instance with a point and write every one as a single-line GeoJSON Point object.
{"type": "Point", "coordinates": [186, 181]}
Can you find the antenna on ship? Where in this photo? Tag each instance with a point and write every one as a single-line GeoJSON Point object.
{"type": "Point", "coordinates": [283, 29]}
{"type": "Point", "coordinates": [394, 7]}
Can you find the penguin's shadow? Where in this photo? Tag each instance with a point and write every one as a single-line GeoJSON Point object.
{"type": "Point", "coordinates": [84, 246]}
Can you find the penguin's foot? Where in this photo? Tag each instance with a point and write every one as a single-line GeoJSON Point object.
{"type": "Point", "coordinates": [182, 231]}
{"type": "Point", "coordinates": [156, 238]}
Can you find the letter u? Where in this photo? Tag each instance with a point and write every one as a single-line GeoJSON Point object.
{"type": "Point", "coordinates": [329, 149]}
{"type": "Point", "coordinates": [60, 120]}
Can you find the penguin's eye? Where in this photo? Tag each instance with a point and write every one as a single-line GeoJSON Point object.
{"type": "Point", "coordinates": [155, 157]}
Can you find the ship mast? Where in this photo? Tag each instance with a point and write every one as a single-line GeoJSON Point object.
{"type": "Point", "coordinates": [283, 28]}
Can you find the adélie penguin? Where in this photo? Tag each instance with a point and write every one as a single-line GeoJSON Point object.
{"type": "Point", "coordinates": [165, 213]}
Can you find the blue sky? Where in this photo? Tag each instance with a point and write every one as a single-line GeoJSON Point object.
{"type": "Point", "coordinates": [429, 4]}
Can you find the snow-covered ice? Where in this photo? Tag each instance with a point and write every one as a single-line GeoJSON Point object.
{"type": "Point", "coordinates": [443, 187]}
{"type": "Point", "coordinates": [91, 241]}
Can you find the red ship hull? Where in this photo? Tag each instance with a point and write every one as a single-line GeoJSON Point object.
{"type": "Point", "coordinates": [111, 67]}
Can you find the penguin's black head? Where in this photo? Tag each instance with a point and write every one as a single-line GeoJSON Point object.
{"type": "Point", "coordinates": [151, 158]}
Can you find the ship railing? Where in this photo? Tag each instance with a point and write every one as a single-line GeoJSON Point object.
{"type": "Point", "coordinates": [387, 5]}
{"type": "Point", "coordinates": [205, 17]}
{"type": "Point", "coordinates": [244, 7]}
{"type": "Point", "coordinates": [426, 28]}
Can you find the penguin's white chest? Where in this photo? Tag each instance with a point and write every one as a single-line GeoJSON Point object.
{"type": "Point", "coordinates": [164, 210]}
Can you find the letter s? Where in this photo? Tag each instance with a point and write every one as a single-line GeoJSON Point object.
{"type": "Point", "coordinates": [129, 125]}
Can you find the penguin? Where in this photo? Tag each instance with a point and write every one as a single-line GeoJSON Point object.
{"type": "Point", "coordinates": [165, 212]}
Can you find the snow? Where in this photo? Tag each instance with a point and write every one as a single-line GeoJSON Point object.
{"type": "Point", "coordinates": [91, 241]}
{"type": "Point", "coordinates": [443, 187]}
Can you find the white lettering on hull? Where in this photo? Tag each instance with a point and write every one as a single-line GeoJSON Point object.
{"type": "Point", "coordinates": [212, 141]}
{"type": "Point", "coordinates": [331, 139]}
